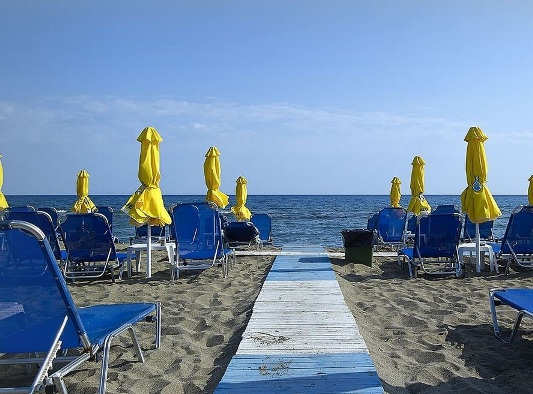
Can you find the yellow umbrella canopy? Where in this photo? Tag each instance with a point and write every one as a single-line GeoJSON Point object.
{"type": "Point", "coordinates": [3, 202]}
{"type": "Point", "coordinates": [529, 190]}
{"type": "Point", "coordinates": [146, 206]}
{"type": "Point", "coordinates": [83, 204]}
{"type": "Point", "coordinates": [395, 194]}
{"type": "Point", "coordinates": [241, 193]}
{"type": "Point", "coordinates": [418, 203]}
{"type": "Point", "coordinates": [476, 200]}
{"type": "Point", "coordinates": [212, 178]}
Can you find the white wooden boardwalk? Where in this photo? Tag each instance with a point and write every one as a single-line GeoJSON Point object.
{"type": "Point", "coordinates": [301, 337]}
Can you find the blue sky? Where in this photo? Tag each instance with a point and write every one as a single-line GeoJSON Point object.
{"type": "Point", "coordinates": [301, 97]}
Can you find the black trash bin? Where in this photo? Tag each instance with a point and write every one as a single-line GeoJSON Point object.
{"type": "Point", "coordinates": [358, 246]}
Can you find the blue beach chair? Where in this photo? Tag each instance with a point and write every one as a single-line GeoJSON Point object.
{"type": "Point", "coordinates": [436, 237]}
{"type": "Point", "coordinates": [199, 239]}
{"type": "Point", "coordinates": [485, 230]}
{"type": "Point", "coordinates": [38, 315]}
{"type": "Point", "coordinates": [21, 208]}
{"type": "Point", "coordinates": [391, 226]}
{"type": "Point", "coordinates": [411, 224]}
{"type": "Point", "coordinates": [54, 215]}
{"type": "Point", "coordinates": [44, 222]}
{"type": "Point", "coordinates": [517, 243]}
{"type": "Point", "coordinates": [263, 223]}
{"type": "Point", "coordinates": [241, 233]}
{"type": "Point", "coordinates": [446, 208]}
{"type": "Point", "coordinates": [372, 223]}
{"type": "Point", "coordinates": [90, 247]}
{"type": "Point", "coordinates": [520, 299]}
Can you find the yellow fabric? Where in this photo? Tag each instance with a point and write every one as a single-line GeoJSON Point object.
{"type": "Point", "coordinates": [395, 194]}
{"type": "Point", "coordinates": [212, 178]}
{"type": "Point", "coordinates": [418, 203]}
{"type": "Point", "coordinates": [241, 193]}
{"type": "Point", "coordinates": [476, 200]}
{"type": "Point", "coordinates": [529, 190]}
{"type": "Point", "coordinates": [3, 202]}
{"type": "Point", "coordinates": [145, 206]}
{"type": "Point", "coordinates": [83, 204]}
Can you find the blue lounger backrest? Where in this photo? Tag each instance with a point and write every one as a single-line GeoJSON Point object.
{"type": "Point", "coordinates": [263, 223]}
{"type": "Point", "coordinates": [155, 231]}
{"type": "Point", "coordinates": [519, 232]}
{"type": "Point", "coordinates": [44, 222]}
{"type": "Point", "coordinates": [54, 215]}
{"type": "Point", "coordinates": [485, 229]}
{"type": "Point", "coordinates": [185, 219]}
{"type": "Point", "coordinates": [21, 208]}
{"type": "Point", "coordinates": [438, 235]}
{"type": "Point", "coordinates": [88, 238]}
{"type": "Point", "coordinates": [34, 297]}
{"type": "Point", "coordinates": [443, 209]}
{"type": "Point", "coordinates": [209, 235]}
{"type": "Point", "coordinates": [372, 223]}
{"type": "Point", "coordinates": [241, 232]}
{"type": "Point", "coordinates": [391, 224]}
{"type": "Point", "coordinates": [108, 213]}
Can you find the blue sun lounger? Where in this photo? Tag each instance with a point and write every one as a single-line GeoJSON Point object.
{"type": "Point", "coordinates": [90, 247]}
{"type": "Point", "coordinates": [485, 230]}
{"type": "Point", "coordinates": [372, 222]}
{"type": "Point", "coordinates": [445, 208]}
{"type": "Point", "coordinates": [520, 299]}
{"type": "Point", "coordinates": [38, 315]}
{"type": "Point", "coordinates": [436, 238]}
{"type": "Point", "coordinates": [54, 215]}
{"type": "Point", "coordinates": [263, 224]}
{"type": "Point", "coordinates": [391, 226]}
{"type": "Point", "coordinates": [199, 238]}
{"type": "Point", "coordinates": [241, 233]}
{"type": "Point", "coordinates": [44, 222]}
{"type": "Point", "coordinates": [517, 243]}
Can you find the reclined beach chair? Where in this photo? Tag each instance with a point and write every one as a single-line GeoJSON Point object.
{"type": "Point", "coordinates": [39, 319]}
{"type": "Point", "coordinates": [411, 224]}
{"type": "Point", "coordinates": [54, 215]}
{"type": "Point", "coordinates": [517, 243]}
{"type": "Point", "coordinates": [44, 222]}
{"type": "Point", "coordinates": [21, 208]}
{"type": "Point", "coordinates": [485, 230]}
{"type": "Point", "coordinates": [372, 223]}
{"type": "Point", "coordinates": [263, 224]}
{"type": "Point", "coordinates": [241, 234]}
{"type": "Point", "coordinates": [108, 213]}
{"type": "Point", "coordinates": [520, 299]}
{"type": "Point", "coordinates": [199, 239]}
{"type": "Point", "coordinates": [436, 237]}
{"type": "Point", "coordinates": [141, 232]}
{"type": "Point", "coordinates": [90, 247]}
{"type": "Point", "coordinates": [391, 226]}
{"type": "Point", "coordinates": [446, 208]}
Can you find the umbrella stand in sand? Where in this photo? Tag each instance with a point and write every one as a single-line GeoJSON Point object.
{"type": "Point", "coordinates": [83, 204]}
{"type": "Point", "coordinates": [395, 194]}
{"type": "Point", "coordinates": [418, 203]}
{"type": "Point", "coordinates": [476, 200]}
{"type": "Point", "coordinates": [146, 206]}
{"type": "Point", "coordinates": [212, 178]}
{"type": "Point", "coordinates": [3, 202]}
{"type": "Point", "coordinates": [241, 194]}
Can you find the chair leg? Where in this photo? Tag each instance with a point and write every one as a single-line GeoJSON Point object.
{"type": "Point", "coordinates": [105, 364]}
{"type": "Point", "coordinates": [59, 385]}
{"type": "Point", "coordinates": [136, 346]}
{"type": "Point", "coordinates": [158, 325]}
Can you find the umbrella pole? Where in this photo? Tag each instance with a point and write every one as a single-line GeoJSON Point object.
{"type": "Point", "coordinates": [478, 254]}
{"type": "Point", "coordinates": [149, 252]}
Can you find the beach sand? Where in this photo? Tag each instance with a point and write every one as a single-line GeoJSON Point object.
{"type": "Point", "coordinates": [203, 318]}
{"type": "Point", "coordinates": [435, 335]}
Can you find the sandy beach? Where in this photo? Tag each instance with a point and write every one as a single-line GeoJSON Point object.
{"type": "Point", "coordinates": [435, 336]}
{"type": "Point", "coordinates": [203, 317]}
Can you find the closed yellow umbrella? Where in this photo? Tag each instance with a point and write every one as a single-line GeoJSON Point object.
{"type": "Point", "coordinates": [395, 194]}
{"type": "Point", "coordinates": [529, 190]}
{"type": "Point", "coordinates": [83, 204]}
{"type": "Point", "coordinates": [146, 206]}
{"type": "Point", "coordinates": [476, 200]}
{"type": "Point", "coordinates": [212, 178]}
{"type": "Point", "coordinates": [418, 203]}
{"type": "Point", "coordinates": [241, 193]}
{"type": "Point", "coordinates": [3, 202]}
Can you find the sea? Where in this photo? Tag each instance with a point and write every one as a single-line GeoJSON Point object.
{"type": "Point", "coordinates": [304, 220]}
